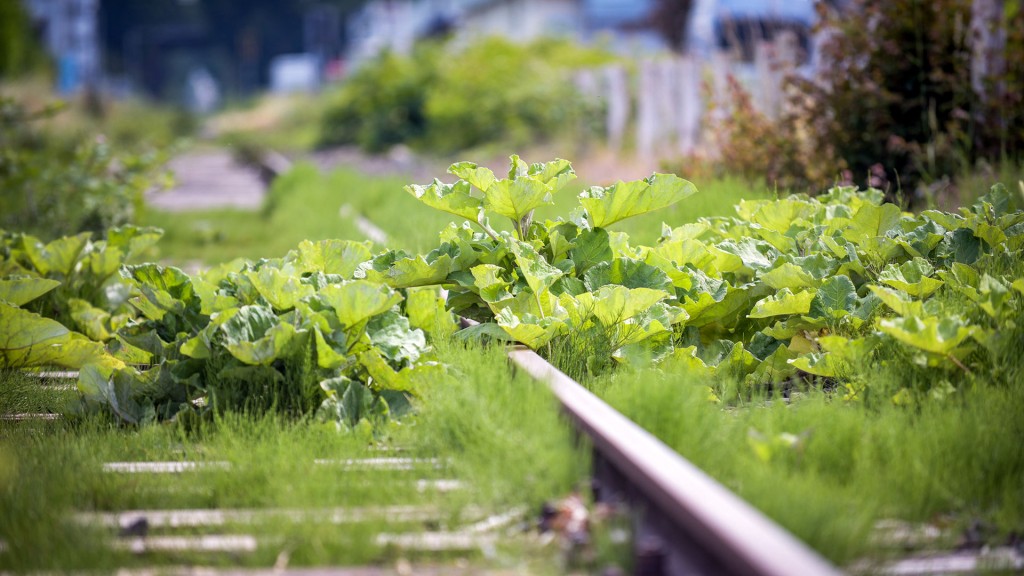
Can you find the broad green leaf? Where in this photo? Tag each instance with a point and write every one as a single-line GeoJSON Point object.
{"type": "Point", "coordinates": [685, 251]}
{"type": "Point", "coordinates": [340, 257]}
{"type": "Point", "coordinates": [992, 235]}
{"type": "Point", "coordinates": [615, 304]}
{"type": "Point", "coordinates": [532, 331]}
{"type": "Point", "coordinates": [754, 254]}
{"type": "Point", "coordinates": [606, 206]}
{"type": "Point", "coordinates": [28, 340]}
{"type": "Point", "coordinates": [629, 273]}
{"type": "Point", "coordinates": [358, 300]}
{"type": "Point", "coordinates": [26, 337]}
{"type": "Point", "coordinates": [255, 336]}
{"type": "Point", "coordinates": [282, 289]}
{"type": "Point", "coordinates": [777, 215]}
{"type": "Point", "coordinates": [116, 390]}
{"type": "Point", "coordinates": [452, 198]}
{"type": "Point", "coordinates": [426, 310]}
{"type": "Point", "coordinates": [936, 335]}
{"type": "Point", "coordinates": [516, 198]}
{"type": "Point", "coordinates": [488, 279]}
{"type": "Point", "coordinates": [478, 176]}
{"type": "Point", "coordinates": [911, 277]}
{"type": "Point", "coordinates": [820, 364]}
{"type": "Point", "coordinates": [788, 276]}
{"type": "Point", "coordinates": [535, 269]}
{"type": "Point", "coordinates": [57, 257]}
{"type": "Point", "coordinates": [92, 321]}
{"type": "Point", "coordinates": [656, 320]}
{"type": "Point", "coordinates": [1018, 285]}
{"type": "Point", "coordinates": [898, 301]}
{"type": "Point", "coordinates": [920, 241]}
{"type": "Point", "coordinates": [399, 271]}
{"type": "Point", "coordinates": [21, 291]}
{"type": "Point", "coordinates": [556, 173]}
{"type": "Point", "coordinates": [212, 299]}
{"type": "Point", "coordinates": [687, 359]}
{"type": "Point", "coordinates": [328, 355]}
{"type": "Point", "coordinates": [773, 369]}
{"type": "Point", "coordinates": [872, 221]}
{"type": "Point", "coordinates": [153, 279]}
{"type": "Point", "coordinates": [132, 240]}
{"type": "Point", "coordinates": [395, 339]}
{"type": "Point", "coordinates": [785, 302]}
{"type": "Point", "coordinates": [725, 305]}
{"type": "Point", "coordinates": [590, 247]}
{"type": "Point", "coordinates": [409, 379]}
{"type": "Point", "coordinates": [836, 294]}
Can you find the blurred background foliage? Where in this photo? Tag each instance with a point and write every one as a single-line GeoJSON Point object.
{"type": "Point", "coordinates": [892, 106]}
{"type": "Point", "coordinates": [445, 98]}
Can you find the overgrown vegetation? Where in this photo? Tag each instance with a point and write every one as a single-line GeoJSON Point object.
{"type": "Point", "coordinates": [443, 98]}
{"type": "Point", "coordinates": [901, 124]}
{"type": "Point", "coordinates": [51, 187]}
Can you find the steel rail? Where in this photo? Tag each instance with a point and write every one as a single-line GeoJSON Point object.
{"type": "Point", "coordinates": [688, 523]}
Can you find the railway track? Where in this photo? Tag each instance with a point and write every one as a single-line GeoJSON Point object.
{"type": "Point", "coordinates": [684, 522]}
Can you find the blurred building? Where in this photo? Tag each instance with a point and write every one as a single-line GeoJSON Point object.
{"type": "Point", "coordinates": [624, 25]}
{"type": "Point", "coordinates": [69, 31]}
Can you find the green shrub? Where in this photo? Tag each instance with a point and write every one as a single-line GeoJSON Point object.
{"type": "Point", "coordinates": [444, 99]}
{"type": "Point", "coordinates": [51, 188]}
{"type": "Point", "coordinates": [916, 114]}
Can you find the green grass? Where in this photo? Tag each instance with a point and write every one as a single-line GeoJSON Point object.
{"type": "Point", "coordinates": [499, 434]}
{"type": "Point", "coordinates": [305, 204]}
{"type": "Point", "coordinates": [845, 466]}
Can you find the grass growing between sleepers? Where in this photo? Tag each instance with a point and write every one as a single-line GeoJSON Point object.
{"type": "Point", "coordinates": [498, 434]}
{"type": "Point", "coordinates": [828, 471]}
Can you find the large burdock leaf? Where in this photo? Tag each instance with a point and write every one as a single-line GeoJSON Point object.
{"type": "Point", "coordinates": [790, 276]}
{"type": "Point", "coordinates": [411, 379]}
{"type": "Point", "coordinates": [57, 257]}
{"type": "Point", "coordinates": [936, 335]}
{"type": "Point", "coordinates": [359, 300]}
{"type": "Point", "coordinates": [256, 336]}
{"type": "Point", "coordinates": [606, 206]}
{"type": "Point", "coordinates": [451, 198]}
{"type": "Point", "coordinates": [487, 278]}
{"type": "Point", "coordinates": [21, 291]}
{"type": "Point", "coordinates": [29, 340]}
{"type": "Point", "coordinates": [515, 199]}
{"type": "Point", "coordinates": [426, 310]}
{"type": "Point", "coordinates": [133, 240]}
{"type": "Point", "coordinates": [629, 273]}
{"type": "Point", "coordinates": [528, 329]}
{"type": "Point", "coordinates": [93, 321]}
{"type": "Point", "coordinates": [912, 277]}
{"type": "Point", "coordinates": [615, 304]}
{"type": "Point", "coordinates": [785, 302]}
{"type": "Point", "coordinates": [281, 289]}
{"type": "Point", "coordinates": [535, 269]}
{"type": "Point", "coordinates": [899, 301]}
{"type": "Point", "coordinates": [395, 339]}
{"type": "Point", "coordinates": [118, 390]}
{"type": "Point", "coordinates": [340, 257]}
{"type": "Point", "coordinates": [164, 290]}
{"type": "Point", "coordinates": [478, 176]}
{"type": "Point", "coordinates": [836, 295]}
{"type": "Point", "coordinates": [398, 270]}
{"type": "Point", "coordinates": [872, 221]}
{"type": "Point", "coordinates": [590, 247]}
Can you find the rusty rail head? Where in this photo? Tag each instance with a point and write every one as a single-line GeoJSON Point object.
{"type": "Point", "coordinates": [732, 536]}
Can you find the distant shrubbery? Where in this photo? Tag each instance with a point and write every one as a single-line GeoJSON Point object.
{"type": "Point", "coordinates": [51, 188]}
{"type": "Point", "coordinates": [893, 102]}
{"type": "Point", "coordinates": [444, 99]}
